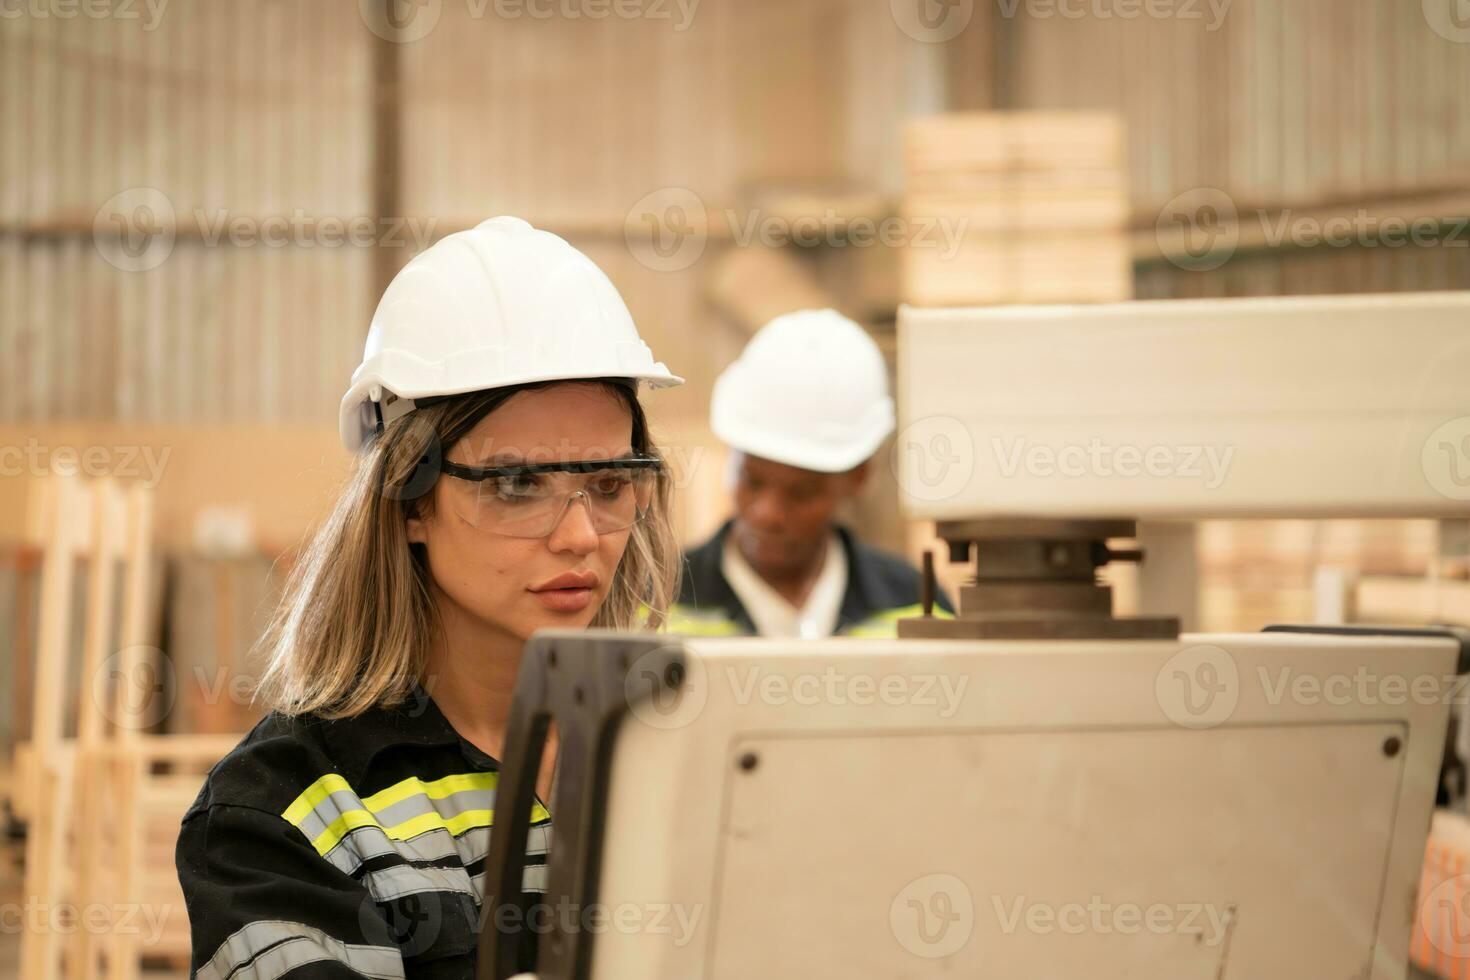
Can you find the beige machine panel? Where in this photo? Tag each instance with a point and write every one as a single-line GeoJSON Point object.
{"type": "Point", "coordinates": [1105, 854]}
{"type": "Point", "coordinates": [1236, 807]}
{"type": "Point", "coordinates": [1319, 406]}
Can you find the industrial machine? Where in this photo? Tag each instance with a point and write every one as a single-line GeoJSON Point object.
{"type": "Point", "coordinates": [1036, 788]}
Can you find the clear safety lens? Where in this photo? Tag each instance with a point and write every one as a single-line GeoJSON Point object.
{"type": "Point", "coordinates": [530, 505]}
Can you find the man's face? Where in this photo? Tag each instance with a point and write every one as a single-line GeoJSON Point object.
{"type": "Point", "coordinates": [784, 513]}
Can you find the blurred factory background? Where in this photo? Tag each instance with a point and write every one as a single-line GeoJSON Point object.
{"type": "Point", "coordinates": [200, 202]}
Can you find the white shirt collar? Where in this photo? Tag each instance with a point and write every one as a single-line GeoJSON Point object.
{"type": "Point", "coordinates": [769, 610]}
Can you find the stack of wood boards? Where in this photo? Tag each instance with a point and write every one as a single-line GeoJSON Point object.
{"type": "Point", "coordinates": [1020, 207]}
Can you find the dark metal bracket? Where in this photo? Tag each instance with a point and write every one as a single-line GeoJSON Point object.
{"type": "Point", "coordinates": [586, 681]}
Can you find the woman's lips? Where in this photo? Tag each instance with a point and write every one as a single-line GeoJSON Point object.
{"type": "Point", "coordinates": [567, 592]}
{"type": "Point", "coordinates": [565, 600]}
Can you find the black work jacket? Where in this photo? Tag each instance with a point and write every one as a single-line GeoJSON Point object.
{"type": "Point", "coordinates": [346, 848]}
{"type": "Point", "coordinates": [881, 589]}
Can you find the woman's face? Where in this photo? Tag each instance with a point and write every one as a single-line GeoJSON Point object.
{"type": "Point", "coordinates": [501, 581]}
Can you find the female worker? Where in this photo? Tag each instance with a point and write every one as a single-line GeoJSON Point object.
{"type": "Point", "coordinates": [505, 481]}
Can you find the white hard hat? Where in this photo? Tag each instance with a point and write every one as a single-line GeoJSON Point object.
{"type": "Point", "coordinates": [809, 390]}
{"type": "Point", "coordinates": [500, 304]}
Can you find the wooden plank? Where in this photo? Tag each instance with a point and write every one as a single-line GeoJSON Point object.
{"type": "Point", "coordinates": [50, 759]}
{"type": "Point", "coordinates": [46, 848]}
{"type": "Point", "coordinates": [109, 518]}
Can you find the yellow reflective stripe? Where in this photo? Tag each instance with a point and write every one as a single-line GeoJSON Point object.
{"type": "Point", "coordinates": [434, 790]}
{"type": "Point", "coordinates": [314, 794]}
{"type": "Point", "coordinates": [340, 827]}
{"type": "Point", "coordinates": [697, 622]}
{"type": "Point", "coordinates": [365, 816]}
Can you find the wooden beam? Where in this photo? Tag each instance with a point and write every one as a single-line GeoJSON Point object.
{"type": "Point", "coordinates": [387, 150]}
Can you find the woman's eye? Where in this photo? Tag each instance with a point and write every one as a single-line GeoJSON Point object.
{"type": "Point", "coordinates": [609, 486]}
{"type": "Point", "coordinates": [523, 487]}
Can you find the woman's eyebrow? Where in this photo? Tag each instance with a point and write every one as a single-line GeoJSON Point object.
{"type": "Point", "coordinates": [507, 458]}
{"type": "Point", "coordinates": [501, 458]}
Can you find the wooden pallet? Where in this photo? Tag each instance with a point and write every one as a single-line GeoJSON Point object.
{"type": "Point", "coordinates": [103, 805]}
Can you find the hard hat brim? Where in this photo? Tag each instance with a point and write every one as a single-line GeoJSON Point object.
{"type": "Point", "coordinates": [357, 421]}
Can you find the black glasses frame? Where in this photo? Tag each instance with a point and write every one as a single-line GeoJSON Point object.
{"type": "Point", "coordinates": [480, 473]}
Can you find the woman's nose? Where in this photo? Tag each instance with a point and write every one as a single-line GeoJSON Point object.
{"type": "Point", "coordinates": [574, 530]}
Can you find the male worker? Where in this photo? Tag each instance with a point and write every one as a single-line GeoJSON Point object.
{"type": "Point", "coordinates": [804, 409]}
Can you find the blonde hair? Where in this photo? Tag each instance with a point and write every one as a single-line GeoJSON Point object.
{"type": "Point", "coordinates": [353, 627]}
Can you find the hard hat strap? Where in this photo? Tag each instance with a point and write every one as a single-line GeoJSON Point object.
{"type": "Point", "coordinates": [391, 408]}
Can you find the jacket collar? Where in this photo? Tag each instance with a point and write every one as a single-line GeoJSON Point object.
{"type": "Point", "coordinates": [707, 583]}
{"type": "Point", "coordinates": [416, 722]}
{"type": "Point", "coordinates": [713, 589]}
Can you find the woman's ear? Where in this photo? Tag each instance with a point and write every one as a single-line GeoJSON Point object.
{"type": "Point", "coordinates": [417, 532]}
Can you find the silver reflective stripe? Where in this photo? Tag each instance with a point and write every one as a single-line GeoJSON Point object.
{"type": "Point", "coordinates": [534, 876]}
{"type": "Point", "coordinates": [369, 842]}
{"type": "Point", "coordinates": [328, 810]}
{"type": "Point", "coordinates": [268, 949]}
{"type": "Point", "coordinates": [534, 879]}
{"type": "Point", "coordinates": [318, 820]}
{"type": "Point", "coordinates": [330, 807]}
{"type": "Point", "coordinates": [365, 843]}
{"type": "Point", "coordinates": [387, 884]}
{"type": "Point", "coordinates": [447, 806]}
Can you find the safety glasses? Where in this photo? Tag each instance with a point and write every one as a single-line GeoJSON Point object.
{"type": "Point", "coordinates": [528, 500]}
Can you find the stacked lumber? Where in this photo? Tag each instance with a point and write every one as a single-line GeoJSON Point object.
{"type": "Point", "coordinates": [1437, 945]}
{"type": "Point", "coordinates": [1257, 572]}
{"type": "Point", "coordinates": [1016, 207]}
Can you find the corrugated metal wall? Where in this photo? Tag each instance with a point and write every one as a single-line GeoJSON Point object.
{"type": "Point", "coordinates": [1286, 102]}
{"type": "Point", "coordinates": [215, 334]}
{"type": "Point", "coordinates": [221, 112]}
{"type": "Point", "coordinates": [252, 110]}
{"type": "Point", "coordinates": [1316, 271]}
{"type": "Point", "coordinates": [249, 110]}
{"type": "Point", "coordinates": [571, 123]}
